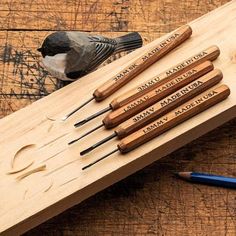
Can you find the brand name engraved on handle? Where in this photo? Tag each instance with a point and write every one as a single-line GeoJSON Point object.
{"type": "Point", "coordinates": [175, 81]}
{"type": "Point", "coordinates": [160, 89]}
{"type": "Point", "coordinates": [144, 114]}
{"type": "Point", "coordinates": [136, 103]}
{"type": "Point", "coordinates": [173, 70]}
{"type": "Point", "coordinates": [147, 56]}
{"type": "Point", "coordinates": [186, 63]}
{"type": "Point", "coordinates": [126, 71]}
{"type": "Point", "coordinates": [180, 93]}
{"type": "Point", "coordinates": [195, 103]}
{"type": "Point", "coordinates": [180, 111]}
{"type": "Point", "coordinates": [160, 46]}
{"type": "Point", "coordinates": [167, 101]}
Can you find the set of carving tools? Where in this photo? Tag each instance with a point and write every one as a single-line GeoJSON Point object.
{"type": "Point", "coordinates": [159, 103]}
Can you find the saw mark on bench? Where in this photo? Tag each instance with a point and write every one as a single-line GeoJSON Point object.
{"type": "Point", "coordinates": [25, 79]}
{"type": "Point", "coordinates": [25, 63]}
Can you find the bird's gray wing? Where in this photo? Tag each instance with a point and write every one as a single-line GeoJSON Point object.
{"type": "Point", "coordinates": [87, 52]}
{"type": "Point", "coordinates": [104, 49]}
{"type": "Point", "coordinates": [79, 57]}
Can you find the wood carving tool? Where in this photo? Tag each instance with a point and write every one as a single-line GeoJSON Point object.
{"type": "Point", "coordinates": [137, 66]}
{"type": "Point", "coordinates": [70, 55]}
{"type": "Point", "coordinates": [116, 117]}
{"type": "Point", "coordinates": [170, 120]}
{"type": "Point", "coordinates": [162, 107]}
{"type": "Point", "coordinates": [210, 53]}
{"type": "Point", "coordinates": [218, 180]}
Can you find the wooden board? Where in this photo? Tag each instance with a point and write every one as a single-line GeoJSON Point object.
{"type": "Point", "coordinates": [101, 15]}
{"type": "Point", "coordinates": [122, 165]}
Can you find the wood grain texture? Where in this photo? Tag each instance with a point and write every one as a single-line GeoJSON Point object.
{"type": "Point", "coordinates": [144, 61]}
{"type": "Point", "coordinates": [102, 15]}
{"type": "Point", "coordinates": [151, 201]}
{"type": "Point", "coordinates": [158, 109]}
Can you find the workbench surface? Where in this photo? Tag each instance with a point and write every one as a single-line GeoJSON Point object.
{"type": "Point", "coordinates": [152, 201]}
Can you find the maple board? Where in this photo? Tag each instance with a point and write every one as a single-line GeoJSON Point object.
{"type": "Point", "coordinates": [34, 199]}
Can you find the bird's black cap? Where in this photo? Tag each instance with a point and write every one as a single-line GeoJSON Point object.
{"type": "Point", "coordinates": [55, 43]}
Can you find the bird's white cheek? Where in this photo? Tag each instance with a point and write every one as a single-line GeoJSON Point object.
{"type": "Point", "coordinates": [56, 65]}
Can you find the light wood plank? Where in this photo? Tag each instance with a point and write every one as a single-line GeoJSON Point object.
{"type": "Point", "coordinates": [69, 184]}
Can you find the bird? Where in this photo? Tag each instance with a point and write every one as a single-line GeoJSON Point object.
{"type": "Point", "coordinates": [69, 55]}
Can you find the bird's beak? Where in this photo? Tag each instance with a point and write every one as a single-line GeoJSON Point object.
{"type": "Point", "coordinates": [39, 49]}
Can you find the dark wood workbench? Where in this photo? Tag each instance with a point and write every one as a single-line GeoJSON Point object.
{"type": "Point", "coordinates": [152, 201]}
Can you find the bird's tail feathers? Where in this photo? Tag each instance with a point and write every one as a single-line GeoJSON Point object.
{"type": "Point", "coordinates": [129, 42]}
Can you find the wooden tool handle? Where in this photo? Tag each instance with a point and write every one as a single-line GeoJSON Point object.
{"type": "Point", "coordinates": [169, 103]}
{"type": "Point", "coordinates": [144, 61]}
{"type": "Point", "coordinates": [121, 114]}
{"type": "Point", "coordinates": [210, 53]}
{"type": "Point", "coordinates": [175, 117]}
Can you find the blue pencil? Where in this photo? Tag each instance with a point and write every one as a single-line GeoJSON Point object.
{"type": "Point", "coordinates": [209, 179]}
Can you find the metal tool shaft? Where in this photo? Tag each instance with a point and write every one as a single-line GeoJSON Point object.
{"type": "Point", "coordinates": [84, 121]}
{"type": "Point", "coordinates": [84, 135]}
{"type": "Point", "coordinates": [98, 144]}
{"type": "Point", "coordinates": [103, 157]}
{"type": "Point", "coordinates": [78, 108]}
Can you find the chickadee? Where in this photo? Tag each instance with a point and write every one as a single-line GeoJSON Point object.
{"type": "Point", "coordinates": [70, 55]}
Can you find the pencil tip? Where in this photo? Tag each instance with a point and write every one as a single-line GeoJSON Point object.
{"type": "Point", "coordinates": [184, 175]}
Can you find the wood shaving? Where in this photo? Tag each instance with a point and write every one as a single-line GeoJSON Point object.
{"type": "Point", "coordinates": [35, 170]}
{"type": "Point", "coordinates": [20, 169]}
{"type": "Point", "coordinates": [51, 119]}
{"type": "Point", "coordinates": [49, 187]}
{"type": "Point", "coordinates": [20, 150]}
